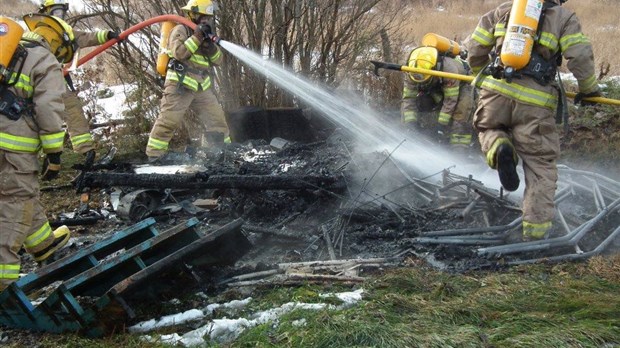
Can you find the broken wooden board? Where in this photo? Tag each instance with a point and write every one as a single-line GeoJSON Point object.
{"type": "Point", "coordinates": [102, 273]}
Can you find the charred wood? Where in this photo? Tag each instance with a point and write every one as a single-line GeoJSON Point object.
{"type": "Point", "coordinates": [205, 181]}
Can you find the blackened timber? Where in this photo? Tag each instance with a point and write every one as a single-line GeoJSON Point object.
{"type": "Point", "coordinates": [205, 181]}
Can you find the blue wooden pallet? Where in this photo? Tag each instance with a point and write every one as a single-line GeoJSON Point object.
{"type": "Point", "coordinates": [98, 275]}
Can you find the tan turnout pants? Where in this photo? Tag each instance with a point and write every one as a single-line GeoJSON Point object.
{"type": "Point", "coordinates": [77, 125]}
{"type": "Point", "coordinates": [533, 133]}
{"type": "Point", "coordinates": [174, 105]}
{"type": "Point", "coordinates": [22, 217]}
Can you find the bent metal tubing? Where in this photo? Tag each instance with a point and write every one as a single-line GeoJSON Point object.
{"type": "Point", "coordinates": [462, 239]}
{"type": "Point", "coordinates": [560, 196]}
{"type": "Point", "coordinates": [131, 30]}
{"type": "Point", "coordinates": [570, 239]}
{"type": "Point", "coordinates": [572, 257]}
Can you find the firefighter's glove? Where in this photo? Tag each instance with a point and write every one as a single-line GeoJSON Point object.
{"type": "Point", "coordinates": [579, 98]}
{"type": "Point", "coordinates": [51, 166]}
{"type": "Point", "coordinates": [199, 35]}
{"type": "Point", "coordinates": [201, 32]}
{"type": "Point", "coordinates": [112, 34]}
{"type": "Point", "coordinates": [89, 159]}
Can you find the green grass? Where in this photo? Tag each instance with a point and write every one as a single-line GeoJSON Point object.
{"type": "Point", "coordinates": [566, 305]}
{"type": "Point", "coordinates": [536, 306]}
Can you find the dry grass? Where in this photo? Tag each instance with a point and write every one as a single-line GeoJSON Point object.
{"type": "Point", "coordinates": [605, 267]}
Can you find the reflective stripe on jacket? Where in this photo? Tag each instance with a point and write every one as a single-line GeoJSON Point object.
{"type": "Point", "coordinates": [90, 39]}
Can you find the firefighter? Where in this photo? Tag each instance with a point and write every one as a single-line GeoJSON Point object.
{"type": "Point", "coordinates": [37, 125]}
{"type": "Point", "coordinates": [188, 85]}
{"type": "Point", "coordinates": [516, 109]}
{"type": "Point", "coordinates": [448, 101]}
{"type": "Point", "coordinates": [77, 124]}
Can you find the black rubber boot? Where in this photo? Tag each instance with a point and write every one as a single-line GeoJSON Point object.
{"type": "Point", "coordinates": [507, 167]}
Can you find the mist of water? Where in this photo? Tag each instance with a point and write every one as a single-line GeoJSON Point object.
{"type": "Point", "coordinates": [366, 125]}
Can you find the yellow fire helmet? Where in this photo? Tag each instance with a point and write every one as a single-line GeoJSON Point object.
{"type": "Point", "coordinates": [195, 8]}
{"type": "Point", "coordinates": [56, 8]}
{"type": "Point", "coordinates": [57, 33]}
{"type": "Point", "coordinates": [423, 58]}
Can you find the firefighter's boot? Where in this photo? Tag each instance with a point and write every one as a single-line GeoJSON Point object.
{"type": "Point", "coordinates": [507, 167]}
{"type": "Point", "coordinates": [61, 237]}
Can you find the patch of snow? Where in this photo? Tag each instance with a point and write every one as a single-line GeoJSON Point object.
{"type": "Point", "coordinates": [170, 169]}
{"type": "Point", "coordinates": [168, 320]}
{"type": "Point", "coordinates": [111, 108]}
{"type": "Point", "coordinates": [349, 298]}
{"type": "Point", "coordinates": [226, 330]}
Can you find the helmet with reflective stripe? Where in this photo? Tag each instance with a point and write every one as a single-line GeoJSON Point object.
{"type": "Point", "coordinates": [47, 4]}
{"type": "Point", "coordinates": [202, 7]}
{"type": "Point", "coordinates": [57, 33]}
{"type": "Point", "coordinates": [423, 58]}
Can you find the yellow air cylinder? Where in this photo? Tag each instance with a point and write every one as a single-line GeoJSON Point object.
{"type": "Point", "coordinates": [442, 44]}
{"type": "Point", "coordinates": [520, 33]}
{"type": "Point", "coordinates": [10, 34]}
{"type": "Point", "coordinates": [162, 57]}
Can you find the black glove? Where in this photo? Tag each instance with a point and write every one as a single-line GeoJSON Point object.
{"type": "Point", "coordinates": [580, 96]}
{"type": "Point", "coordinates": [51, 166]}
{"type": "Point", "coordinates": [113, 34]}
{"type": "Point", "coordinates": [201, 32]}
{"type": "Point", "coordinates": [206, 29]}
{"type": "Point", "coordinates": [89, 159]}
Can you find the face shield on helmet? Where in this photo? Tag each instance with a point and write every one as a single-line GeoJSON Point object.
{"type": "Point", "coordinates": [423, 58]}
{"type": "Point", "coordinates": [58, 11]}
{"type": "Point", "coordinates": [196, 10]}
{"type": "Point", "coordinates": [57, 33]}
{"type": "Point", "coordinates": [56, 8]}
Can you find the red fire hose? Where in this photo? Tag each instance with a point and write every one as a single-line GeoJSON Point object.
{"type": "Point", "coordinates": [131, 30]}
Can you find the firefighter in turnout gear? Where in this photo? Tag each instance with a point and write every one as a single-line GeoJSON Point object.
{"type": "Point", "coordinates": [36, 83]}
{"type": "Point", "coordinates": [428, 98]}
{"type": "Point", "coordinates": [516, 110]}
{"type": "Point", "coordinates": [77, 124]}
{"type": "Point", "coordinates": [188, 84]}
